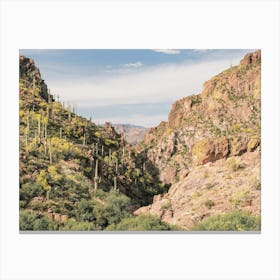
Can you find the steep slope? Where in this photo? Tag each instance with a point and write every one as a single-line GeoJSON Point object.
{"type": "Point", "coordinates": [73, 173]}
{"type": "Point", "coordinates": [132, 134]}
{"type": "Point", "coordinates": [209, 150]}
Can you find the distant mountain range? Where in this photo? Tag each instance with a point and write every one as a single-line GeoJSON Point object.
{"type": "Point", "coordinates": [133, 134]}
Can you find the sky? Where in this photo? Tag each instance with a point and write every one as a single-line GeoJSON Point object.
{"type": "Point", "coordinates": [129, 86]}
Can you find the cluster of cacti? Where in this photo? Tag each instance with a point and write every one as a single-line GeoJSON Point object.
{"type": "Point", "coordinates": [49, 126]}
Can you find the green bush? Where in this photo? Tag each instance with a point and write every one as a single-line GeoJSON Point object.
{"type": "Point", "coordinates": [142, 223]}
{"type": "Point", "coordinates": [84, 211]}
{"type": "Point", "coordinates": [110, 210]}
{"type": "Point", "coordinates": [209, 203]}
{"type": "Point", "coordinates": [235, 164]}
{"type": "Point", "coordinates": [30, 220]}
{"type": "Point", "coordinates": [28, 191]}
{"type": "Point", "coordinates": [235, 221]}
{"type": "Point", "coordinates": [73, 225]}
{"type": "Point", "coordinates": [114, 209]}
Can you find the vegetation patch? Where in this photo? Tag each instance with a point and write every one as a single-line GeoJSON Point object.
{"type": "Point", "coordinates": [209, 203]}
{"type": "Point", "coordinates": [142, 223]}
{"type": "Point", "coordinates": [235, 221]}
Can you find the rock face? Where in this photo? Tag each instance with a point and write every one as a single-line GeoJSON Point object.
{"type": "Point", "coordinates": [203, 132]}
{"type": "Point", "coordinates": [31, 74]}
{"type": "Point", "coordinates": [207, 149]}
{"type": "Point", "coordinates": [210, 189]}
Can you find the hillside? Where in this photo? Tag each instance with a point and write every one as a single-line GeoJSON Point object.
{"type": "Point", "coordinates": [200, 170]}
{"type": "Point", "coordinates": [209, 150]}
{"type": "Point", "coordinates": [74, 175]}
{"type": "Point", "coordinates": [132, 134]}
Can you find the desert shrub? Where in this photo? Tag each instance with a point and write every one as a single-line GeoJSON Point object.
{"type": "Point", "coordinates": [235, 221]}
{"type": "Point", "coordinates": [29, 190]}
{"type": "Point", "coordinates": [234, 164]}
{"type": "Point", "coordinates": [209, 186]}
{"type": "Point", "coordinates": [142, 223]}
{"type": "Point", "coordinates": [255, 182]}
{"type": "Point", "coordinates": [114, 209]}
{"type": "Point", "coordinates": [22, 204]}
{"type": "Point", "coordinates": [107, 209]}
{"type": "Point", "coordinates": [75, 187]}
{"type": "Point", "coordinates": [166, 206]}
{"type": "Point", "coordinates": [209, 203]}
{"type": "Point", "coordinates": [242, 198]}
{"type": "Point", "coordinates": [30, 220]}
{"type": "Point", "coordinates": [73, 225]}
{"type": "Point", "coordinates": [84, 211]}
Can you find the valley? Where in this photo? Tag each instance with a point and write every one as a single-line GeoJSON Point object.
{"type": "Point", "coordinates": [200, 170]}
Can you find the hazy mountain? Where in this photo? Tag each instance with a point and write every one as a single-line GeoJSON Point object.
{"type": "Point", "coordinates": [133, 134]}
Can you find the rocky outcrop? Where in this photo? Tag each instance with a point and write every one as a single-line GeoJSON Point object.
{"type": "Point", "coordinates": [214, 188]}
{"type": "Point", "coordinates": [56, 216]}
{"type": "Point", "coordinates": [207, 150]}
{"type": "Point", "coordinates": [203, 132]}
{"type": "Point", "coordinates": [219, 122]}
{"type": "Point", "coordinates": [110, 130]}
{"type": "Point", "coordinates": [251, 58]}
{"type": "Point", "coordinates": [32, 75]}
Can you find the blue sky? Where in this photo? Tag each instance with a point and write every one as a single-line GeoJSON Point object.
{"type": "Point", "coordinates": [129, 86]}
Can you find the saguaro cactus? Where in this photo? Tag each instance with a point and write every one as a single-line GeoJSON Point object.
{"type": "Point", "coordinates": [96, 177]}
{"type": "Point", "coordinates": [48, 193]}
{"type": "Point", "coordinates": [84, 140]}
{"type": "Point", "coordinates": [46, 131]}
{"type": "Point", "coordinates": [49, 96]}
{"type": "Point", "coordinates": [123, 156]}
{"type": "Point", "coordinates": [39, 127]}
{"type": "Point", "coordinates": [50, 151]}
{"type": "Point", "coordinates": [96, 149]}
{"type": "Point", "coordinates": [26, 141]}
{"type": "Point", "coordinates": [33, 85]}
{"type": "Point", "coordinates": [27, 121]}
{"type": "Point", "coordinates": [115, 183]}
{"type": "Point", "coordinates": [45, 146]}
{"type": "Point", "coordinates": [69, 112]}
{"type": "Point", "coordinates": [117, 166]}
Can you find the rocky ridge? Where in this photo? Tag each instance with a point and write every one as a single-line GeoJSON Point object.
{"type": "Point", "coordinates": [216, 132]}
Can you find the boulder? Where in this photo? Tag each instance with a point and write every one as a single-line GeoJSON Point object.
{"type": "Point", "coordinates": [209, 150]}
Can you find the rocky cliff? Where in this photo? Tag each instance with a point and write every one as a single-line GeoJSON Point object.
{"type": "Point", "coordinates": [209, 150]}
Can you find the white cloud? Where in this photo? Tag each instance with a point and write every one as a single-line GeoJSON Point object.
{"type": "Point", "coordinates": [158, 84]}
{"type": "Point", "coordinates": [133, 65]}
{"type": "Point", "coordinates": [200, 50]}
{"type": "Point", "coordinates": [167, 51]}
{"type": "Point", "coordinates": [164, 83]}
